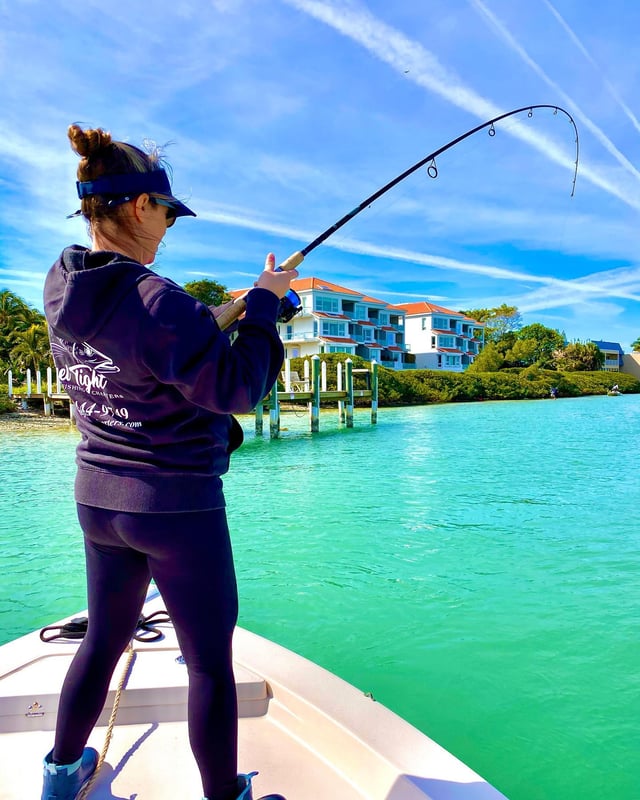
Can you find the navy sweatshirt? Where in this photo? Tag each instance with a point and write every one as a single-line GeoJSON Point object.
{"type": "Point", "coordinates": [154, 381]}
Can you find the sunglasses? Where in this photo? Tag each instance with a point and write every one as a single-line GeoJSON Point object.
{"type": "Point", "coordinates": [171, 214]}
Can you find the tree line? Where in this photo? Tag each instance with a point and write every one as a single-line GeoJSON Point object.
{"type": "Point", "coordinates": [510, 344]}
{"type": "Point", "coordinates": [24, 338]}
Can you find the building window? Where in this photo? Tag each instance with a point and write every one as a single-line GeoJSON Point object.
{"type": "Point", "coordinates": [446, 341]}
{"type": "Point", "coordinates": [424, 323]}
{"type": "Point", "coordinates": [441, 322]}
{"type": "Point", "coordinates": [329, 305]}
{"type": "Point", "coordinates": [333, 328]}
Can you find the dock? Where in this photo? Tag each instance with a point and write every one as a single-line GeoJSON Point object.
{"type": "Point", "coordinates": [308, 392]}
{"type": "Point", "coordinates": [311, 392]}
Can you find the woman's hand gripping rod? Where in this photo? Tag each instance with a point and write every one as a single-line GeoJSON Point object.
{"type": "Point", "coordinates": [231, 313]}
{"type": "Point", "coordinates": [235, 309]}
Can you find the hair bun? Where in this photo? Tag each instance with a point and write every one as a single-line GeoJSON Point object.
{"type": "Point", "coordinates": [88, 143]}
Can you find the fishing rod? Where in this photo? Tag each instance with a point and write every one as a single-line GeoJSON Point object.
{"type": "Point", "coordinates": [289, 305]}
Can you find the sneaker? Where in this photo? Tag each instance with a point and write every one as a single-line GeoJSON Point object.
{"type": "Point", "coordinates": [64, 781]}
{"type": "Point", "coordinates": [244, 784]}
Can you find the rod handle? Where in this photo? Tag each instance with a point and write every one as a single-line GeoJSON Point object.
{"type": "Point", "coordinates": [292, 262]}
{"type": "Point", "coordinates": [237, 308]}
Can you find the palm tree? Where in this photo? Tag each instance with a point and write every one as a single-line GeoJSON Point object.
{"type": "Point", "coordinates": [13, 311]}
{"type": "Point", "coordinates": [636, 345]}
{"type": "Point", "coordinates": [31, 348]}
{"type": "Point", "coordinates": [15, 316]}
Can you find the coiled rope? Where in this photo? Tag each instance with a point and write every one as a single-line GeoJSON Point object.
{"type": "Point", "coordinates": [146, 630]}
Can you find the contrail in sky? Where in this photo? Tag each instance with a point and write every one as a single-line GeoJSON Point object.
{"type": "Point", "coordinates": [609, 86]}
{"type": "Point", "coordinates": [415, 63]}
{"type": "Point", "coordinates": [575, 289]}
{"type": "Point", "coordinates": [504, 34]}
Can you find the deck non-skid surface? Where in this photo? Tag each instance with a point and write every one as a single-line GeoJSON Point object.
{"type": "Point", "coordinates": [153, 762]}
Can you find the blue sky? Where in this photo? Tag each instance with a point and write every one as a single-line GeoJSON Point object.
{"type": "Point", "coordinates": [281, 116]}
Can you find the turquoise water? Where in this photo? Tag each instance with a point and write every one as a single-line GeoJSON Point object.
{"type": "Point", "coordinates": [473, 566]}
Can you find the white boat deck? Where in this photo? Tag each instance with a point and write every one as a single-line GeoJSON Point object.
{"type": "Point", "coordinates": [309, 734]}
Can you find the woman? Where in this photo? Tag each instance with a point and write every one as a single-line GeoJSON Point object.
{"type": "Point", "coordinates": [154, 382]}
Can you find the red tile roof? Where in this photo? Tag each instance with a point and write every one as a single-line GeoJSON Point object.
{"type": "Point", "coordinates": [425, 307]}
{"type": "Point", "coordinates": [339, 339]}
{"type": "Point", "coordinates": [306, 284]}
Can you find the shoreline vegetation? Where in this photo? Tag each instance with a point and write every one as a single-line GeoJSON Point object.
{"type": "Point", "coordinates": [517, 363]}
{"type": "Point", "coordinates": [401, 388]}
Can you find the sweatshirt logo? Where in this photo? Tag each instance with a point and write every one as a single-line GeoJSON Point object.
{"type": "Point", "coordinates": [91, 367]}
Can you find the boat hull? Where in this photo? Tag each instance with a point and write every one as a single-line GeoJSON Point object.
{"type": "Point", "coordinates": [310, 734]}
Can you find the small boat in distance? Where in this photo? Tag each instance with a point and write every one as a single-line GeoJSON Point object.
{"type": "Point", "coordinates": [309, 734]}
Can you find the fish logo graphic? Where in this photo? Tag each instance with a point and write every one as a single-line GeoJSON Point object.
{"type": "Point", "coordinates": [86, 356]}
{"type": "Point", "coordinates": [91, 367]}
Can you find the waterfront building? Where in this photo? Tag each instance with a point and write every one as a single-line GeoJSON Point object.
{"type": "Point", "coordinates": [336, 319]}
{"type": "Point", "coordinates": [613, 355]}
{"type": "Point", "coordinates": [440, 338]}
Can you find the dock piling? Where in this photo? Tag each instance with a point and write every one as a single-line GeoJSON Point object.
{"type": "Point", "coordinates": [314, 406]}
{"type": "Point", "coordinates": [374, 392]}
{"type": "Point", "coordinates": [349, 401]}
{"type": "Point", "coordinates": [274, 414]}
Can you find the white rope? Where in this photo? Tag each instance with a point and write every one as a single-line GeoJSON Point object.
{"type": "Point", "coordinates": [112, 721]}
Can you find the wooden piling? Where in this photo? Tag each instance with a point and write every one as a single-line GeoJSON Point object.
{"type": "Point", "coordinates": [374, 392]}
{"type": "Point", "coordinates": [349, 389]}
{"type": "Point", "coordinates": [46, 401]}
{"type": "Point", "coordinates": [339, 386]}
{"type": "Point", "coordinates": [314, 406]}
{"type": "Point", "coordinates": [259, 418]}
{"type": "Point", "coordinates": [274, 414]}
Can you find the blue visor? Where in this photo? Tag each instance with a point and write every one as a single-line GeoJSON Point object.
{"type": "Point", "coordinates": [122, 188]}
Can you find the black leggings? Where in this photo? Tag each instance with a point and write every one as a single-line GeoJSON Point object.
{"type": "Point", "coordinates": [189, 556]}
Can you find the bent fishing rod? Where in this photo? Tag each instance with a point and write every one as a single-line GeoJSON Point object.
{"type": "Point", "coordinates": [288, 308]}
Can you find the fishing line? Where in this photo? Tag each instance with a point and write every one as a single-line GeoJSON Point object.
{"type": "Point", "coordinates": [431, 164]}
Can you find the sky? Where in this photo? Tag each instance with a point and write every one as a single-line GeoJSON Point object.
{"type": "Point", "coordinates": [280, 117]}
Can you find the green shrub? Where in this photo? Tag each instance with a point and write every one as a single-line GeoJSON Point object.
{"type": "Point", "coordinates": [6, 404]}
{"type": "Point", "coordinates": [423, 386]}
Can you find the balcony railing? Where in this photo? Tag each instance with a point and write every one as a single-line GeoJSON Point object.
{"type": "Point", "coordinates": [295, 337]}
